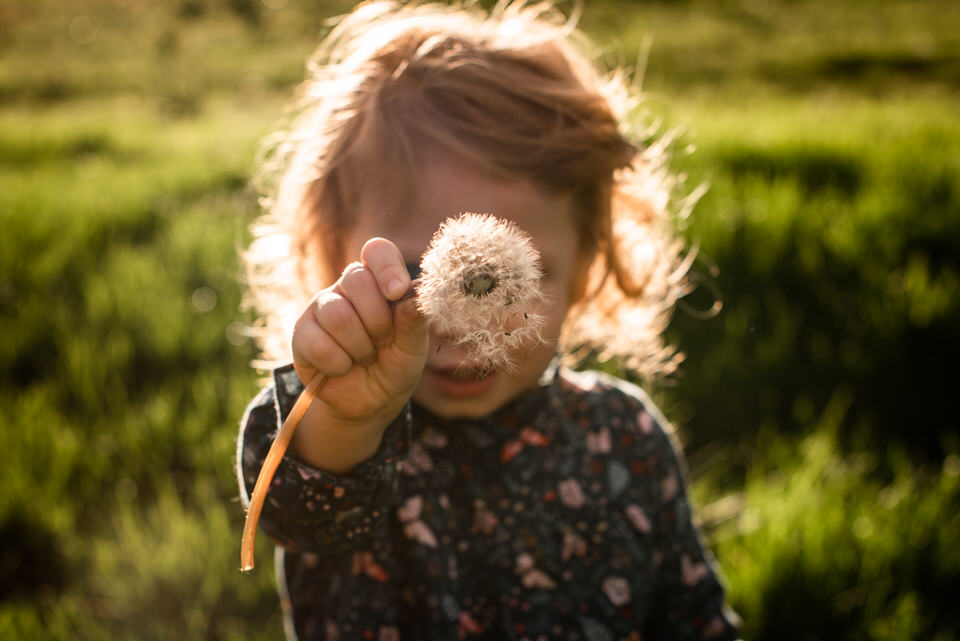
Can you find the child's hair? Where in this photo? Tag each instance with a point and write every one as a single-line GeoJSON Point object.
{"type": "Point", "coordinates": [511, 91]}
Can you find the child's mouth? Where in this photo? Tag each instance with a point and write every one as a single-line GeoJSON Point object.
{"type": "Point", "coordinates": [460, 382]}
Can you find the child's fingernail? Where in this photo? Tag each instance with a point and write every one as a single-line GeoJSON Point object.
{"type": "Point", "coordinates": [396, 288]}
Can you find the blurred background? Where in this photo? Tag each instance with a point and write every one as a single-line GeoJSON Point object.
{"type": "Point", "coordinates": [818, 408]}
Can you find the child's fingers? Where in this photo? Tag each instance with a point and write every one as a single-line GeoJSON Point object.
{"type": "Point", "coordinates": [338, 318]}
{"type": "Point", "coordinates": [385, 262]}
{"type": "Point", "coordinates": [314, 348]}
{"type": "Point", "coordinates": [359, 286]}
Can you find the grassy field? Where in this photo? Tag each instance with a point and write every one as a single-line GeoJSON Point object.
{"type": "Point", "coordinates": [817, 406]}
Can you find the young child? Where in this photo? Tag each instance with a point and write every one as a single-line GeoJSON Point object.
{"type": "Point", "coordinates": [418, 500]}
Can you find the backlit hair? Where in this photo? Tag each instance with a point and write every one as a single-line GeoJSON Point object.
{"type": "Point", "coordinates": [512, 91]}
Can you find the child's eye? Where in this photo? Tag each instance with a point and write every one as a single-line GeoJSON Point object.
{"type": "Point", "coordinates": [414, 270]}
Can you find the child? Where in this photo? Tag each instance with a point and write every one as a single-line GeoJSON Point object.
{"type": "Point", "coordinates": [418, 500]}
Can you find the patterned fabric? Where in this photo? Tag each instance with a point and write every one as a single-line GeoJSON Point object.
{"type": "Point", "coordinates": [564, 515]}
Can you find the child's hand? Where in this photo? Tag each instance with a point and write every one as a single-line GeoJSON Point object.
{"type": "Point", "coordinates": [371, 348]}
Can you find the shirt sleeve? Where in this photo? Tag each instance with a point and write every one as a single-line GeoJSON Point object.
{"type": "Point", "coordinates": [308, 509]}
{"type": "Point", "coordinates": [690, 601]}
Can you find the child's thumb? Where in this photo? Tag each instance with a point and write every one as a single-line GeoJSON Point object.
{"type": "Point", "coordinates": [411, 329]}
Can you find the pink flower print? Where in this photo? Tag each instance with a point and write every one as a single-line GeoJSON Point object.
{"type": "Point", "coordinates": [411, 508]}
{"type": "Point", "coordinates": [692, 572]}
{"type": "Point", "coordinates": [599, 442]}
{"type": "Point", "coordinates": [388, 633]}
{"type": "Point", "coordinates": [419, 532]}
{"type": "Point", "coordinates": [468, 625]}
{"type": "Point", "coordinates": [376, 572]}
{"type": "Point", "coordinates": [420, 457]}
{"type": "Point", "coordinates": [434, 438]}
{"type": "Point", "coordinates": [308, 473]}
{"type": "Point", "coordinates": [414, 528]}
{"type": "Point", "coordinates": [617, 590]}
{"type": "Point", "coordinates": [484, 521]}
{"type": "Point", "coordinates": [531, 576]}
{"type": "Point", "coordinates": [669, 486]}
{"type": "Point", "coordinates": [524, 562]}
{"type": "Point", "coordinates": [638, 518]}
{"type": "Point", "coordinates": [527, 436]}
{"type": "Point", "coordinates": [417, 461]}
{"type": "Point", "coordinates": [363, 563]}
{"type": "Point", "coordinates": [538, 579]}
{"type": "Point", "coordinates": [531, 436]}
{"type": "Point", "coordinates": [573, 545]}
{"type": "Point", "coordinates": [571, 494]}
{"type": "Point", "coordinates": [357, 563]}
{"type": "Point", "coordinates": [510, 450]}
{"type": "Point", "coordinates": [646, 422]}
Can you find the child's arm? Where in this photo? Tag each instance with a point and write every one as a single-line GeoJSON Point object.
{"type": "Point", "coordinates": [309, 509]}
{"type": "Point", "coordinates": [371, 343]}
{"type": "Point", "coordinates": [360, 346]}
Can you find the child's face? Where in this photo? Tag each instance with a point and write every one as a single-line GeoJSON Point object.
{"type": "Point", "coordinates": [446, 187]}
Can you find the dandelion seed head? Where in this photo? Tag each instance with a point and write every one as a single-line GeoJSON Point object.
{"type": "Point", "coordinates": [479, 283]}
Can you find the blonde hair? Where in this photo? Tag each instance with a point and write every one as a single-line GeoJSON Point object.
{"type": "Point", "coordinates": [513, 92]}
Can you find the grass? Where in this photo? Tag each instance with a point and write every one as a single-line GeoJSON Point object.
{"type": "Point", "coordinates": [816, 405]}
{"type": "Point", "coordinates": [757, 47]}
{"type": "Point", "coordinates": [125, 376]}
{"type": "Point", "coordinates": [876, 562]}
{"type": "Point", "coordinates": [835, 226]}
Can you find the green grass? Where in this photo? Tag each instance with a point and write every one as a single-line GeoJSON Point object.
{"type": "Point", "coordinates": [818, 543]}
{"type": "Point", "coordinates": [875, 562]}
{"type": "Point", "coordinates": [836, 229]}
{"type": "Point", "coordinates": [817, 405]}
{"type": "Point", "coordinates": [756, 47]}
{"type": "Point", "coordinates": [121, 292]}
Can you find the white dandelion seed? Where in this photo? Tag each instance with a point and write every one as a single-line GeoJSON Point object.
{"type": "Point", "coordinates": [479, 283]}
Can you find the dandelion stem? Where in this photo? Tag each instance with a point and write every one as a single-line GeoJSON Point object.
{"type": "Point", "coordinates": [270, 464]}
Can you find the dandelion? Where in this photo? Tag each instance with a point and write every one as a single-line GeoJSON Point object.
{"type": "Point", "coordinates": [480, 280]}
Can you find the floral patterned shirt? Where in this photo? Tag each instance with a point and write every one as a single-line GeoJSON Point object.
{"type": "Point", "coordinates": [563, 515]}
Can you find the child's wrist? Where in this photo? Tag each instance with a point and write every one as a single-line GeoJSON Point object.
{"type": "Point", "coordinates": [331, 444]}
